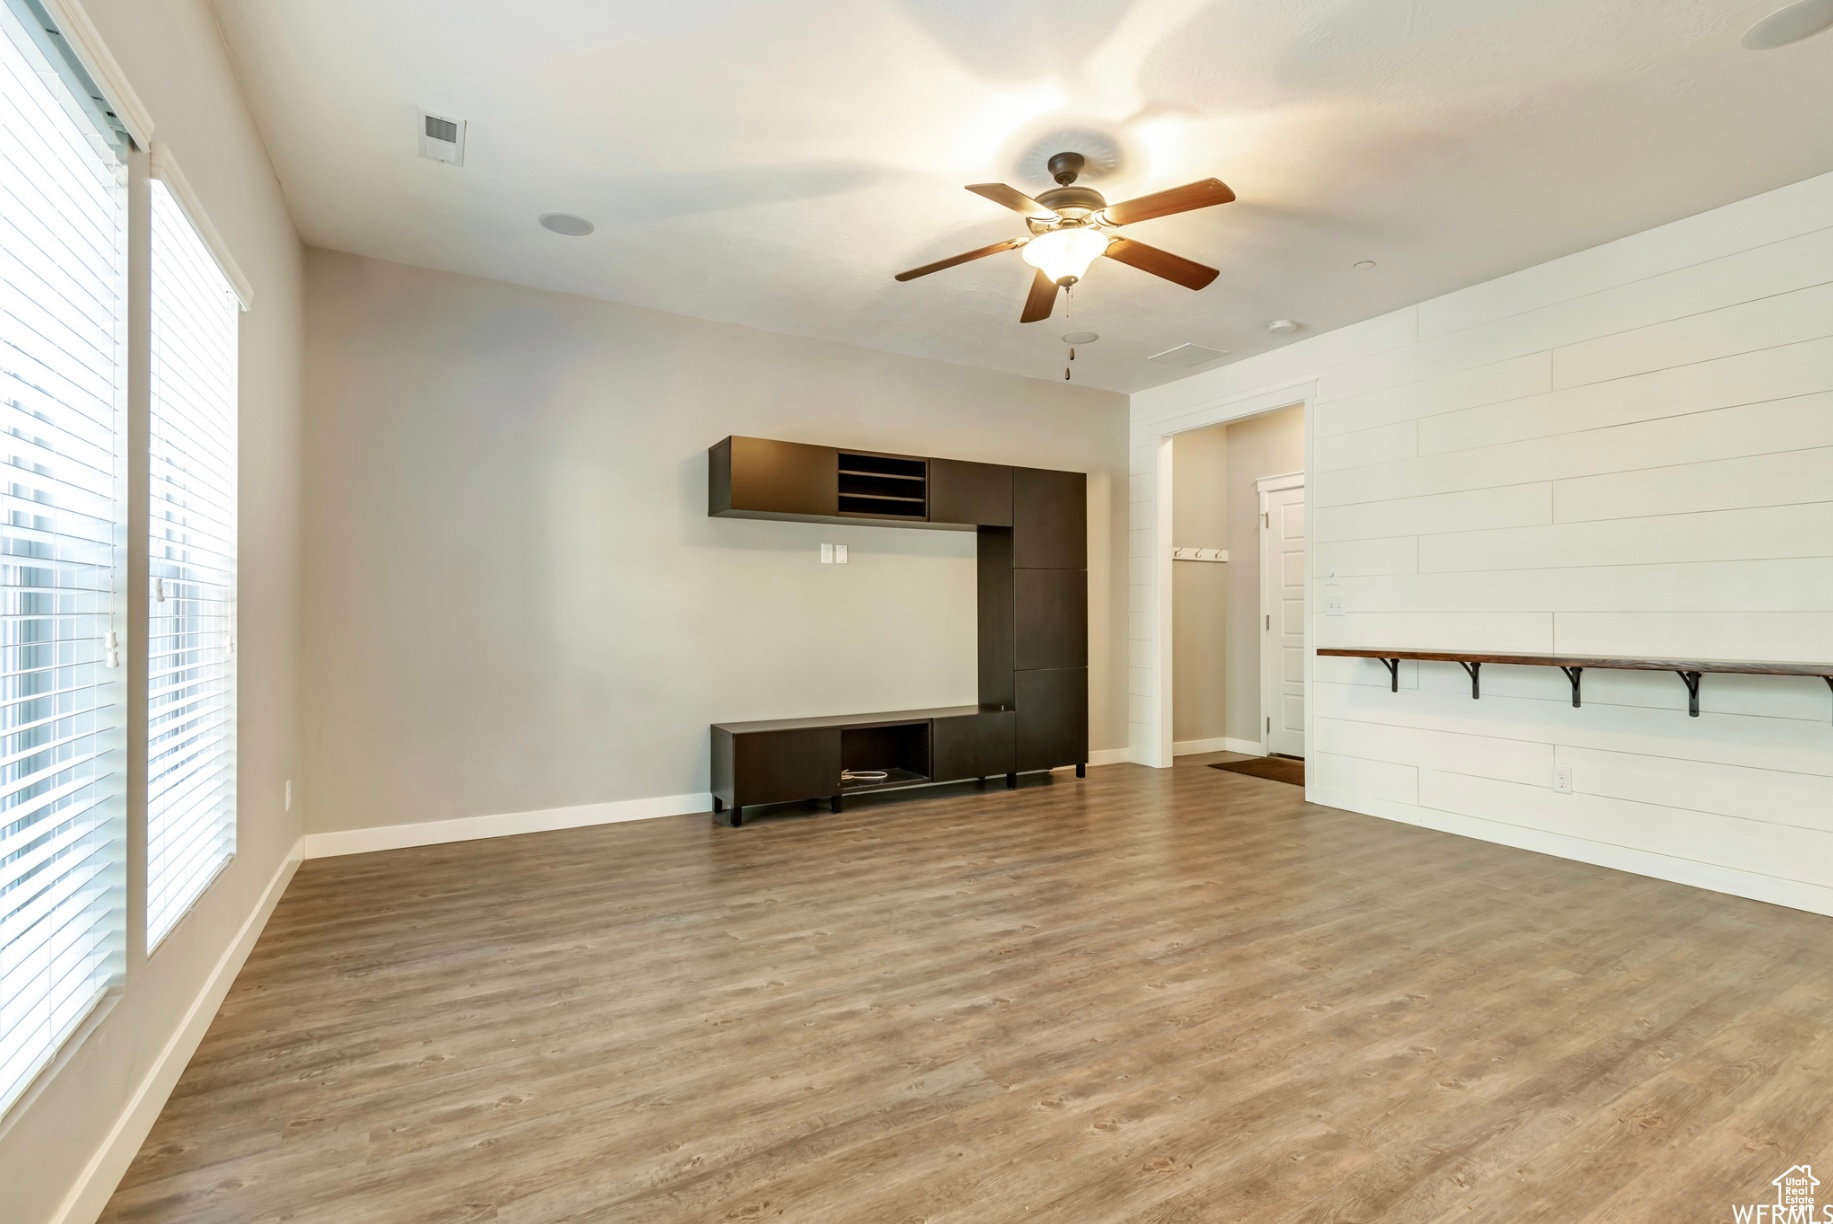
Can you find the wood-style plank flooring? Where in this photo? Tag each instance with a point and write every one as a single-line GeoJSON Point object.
{"type": "Point", "coordinates": [1176, 995]}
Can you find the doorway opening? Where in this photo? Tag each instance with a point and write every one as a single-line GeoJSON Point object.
{"type": "Point", "coordinates": [1238, 566]}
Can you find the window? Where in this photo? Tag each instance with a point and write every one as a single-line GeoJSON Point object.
{"type": "Point", "coordinates": [191, 570]}
{"type": "Point", "coordinates": [62, 318]}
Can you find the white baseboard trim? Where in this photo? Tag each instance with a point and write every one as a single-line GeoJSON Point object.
{"type": "Point", "coordinates": [109, 1164]}
{"type": "Point", "coordinates": [473, 828]}
{"type": "Point", "coordinates": [1220, 743]}
{"type": "Point", "coordinates": [1109, 756]}
{"type": "Point", "coordinates": [1813, 898]}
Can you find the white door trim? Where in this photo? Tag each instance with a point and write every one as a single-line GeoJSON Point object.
{"type": "Point", "coordinates": [1268, 667]}
{"type": "Point", "coordinates": [1150, 646]}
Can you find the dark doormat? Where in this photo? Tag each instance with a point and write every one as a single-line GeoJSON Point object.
{"type": "Point", "coordinates": [1276, 768]}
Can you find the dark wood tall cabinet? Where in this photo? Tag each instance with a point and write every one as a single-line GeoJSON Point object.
{"type": "Point", "coordinates": [1031, 526]}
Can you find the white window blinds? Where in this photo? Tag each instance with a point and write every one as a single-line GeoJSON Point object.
{"type": "Point", "coordinates": [62, 310]}
{"type": "Point", "coordinates": [191, 570]}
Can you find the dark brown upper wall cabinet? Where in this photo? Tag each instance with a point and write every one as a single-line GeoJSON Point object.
{"type": "Point", "coordinates": [1049, 519]}
{"type": "Point", "coordinates": [970, 493]}
{"type": "Point", "coordinates": [758, 478]}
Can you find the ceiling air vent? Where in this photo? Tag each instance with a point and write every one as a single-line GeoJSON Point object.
{"type": "Point", "coordinates": [442, 138]}
{"type": "Point", "coordinates": [1188, 355]}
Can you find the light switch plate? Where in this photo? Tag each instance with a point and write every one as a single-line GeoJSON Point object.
{"type": "Point", "coordinates": [840, 554]}
{"type": "Point", "coordinates": [827, 554]}
{"type": "Point", "coordinates": [1333, 606]}
{"type": "Point", "coordinates": [1330, 576]}
{"type": "Point", "coordinates": [1562, 781]}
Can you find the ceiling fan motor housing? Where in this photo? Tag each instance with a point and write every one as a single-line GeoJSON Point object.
{"type": "Point", "coordinates": [1064, 167]}
{"type": "Point", "coordinates": [1072, 202]}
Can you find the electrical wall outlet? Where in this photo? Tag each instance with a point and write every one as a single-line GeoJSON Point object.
{"type": "Point", "coordinates": [1562, 781]}
{"type": "Point", "coordinates": [1333, 606]}
{"type": "Point", "coordinates": [827, 554]}
{"type": "Point", "coordinates": [840, 554]}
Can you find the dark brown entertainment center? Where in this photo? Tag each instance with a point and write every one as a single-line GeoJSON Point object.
{"type": "Point", "coordinates": [1031, 527]}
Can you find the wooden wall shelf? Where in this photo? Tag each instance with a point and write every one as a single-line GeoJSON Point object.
{"type": "Point", "coordinates": [1032, 590]}
{"type": "Point", "coordinates": [1575, 666]}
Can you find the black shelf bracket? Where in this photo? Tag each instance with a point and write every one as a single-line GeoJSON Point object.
{"type": "Point", "coordinates": [1829, 680]}
{"type": "Point", "coordinates": [1393, 673]}
{"type": "Point", "coordinates": [1572, 674]}
{"type": "Point", "coordinates": [1691, 679]}
{"type": "Point", "coordinates": [1473, 669]}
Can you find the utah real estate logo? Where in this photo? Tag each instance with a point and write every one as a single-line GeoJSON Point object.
{"type": "Point", "coordinates": [1794, 1202]}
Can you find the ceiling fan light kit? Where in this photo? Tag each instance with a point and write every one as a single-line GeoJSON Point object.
{"type": "Point", "coordinates": [1064, 254]}
{"type": "Point", "coordinates": [1070, 229]}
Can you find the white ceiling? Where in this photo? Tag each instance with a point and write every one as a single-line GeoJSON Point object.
{"type": "Point", "coordinates": [773, 162]}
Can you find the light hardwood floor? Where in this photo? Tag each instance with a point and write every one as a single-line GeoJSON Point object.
{"type": "Point", "coordinates": [1175, 995]}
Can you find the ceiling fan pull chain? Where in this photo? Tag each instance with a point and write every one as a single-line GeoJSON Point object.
{"type": "Point", "coordinates": [1069, 310]}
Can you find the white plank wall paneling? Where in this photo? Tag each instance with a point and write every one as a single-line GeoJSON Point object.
{"type": "Point", "coordinates": [1625, 451]}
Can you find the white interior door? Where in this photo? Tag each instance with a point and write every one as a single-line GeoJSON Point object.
{"type": "Point", "coordinates": [1282, 607]}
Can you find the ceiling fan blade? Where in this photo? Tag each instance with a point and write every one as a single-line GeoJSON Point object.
{"type": "Point", "coordinates": [1041, 300]}
{"type": "Point", "coordinates": [1186, 272]}
{"type": "Point", "coordinates": [1163, 203]}
{"type": "Point", "coordinates": [1014, 199]}
{"type": "Point", "coordinates": [952, 260]}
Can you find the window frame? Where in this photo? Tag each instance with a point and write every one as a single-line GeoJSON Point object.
{"type": "Point", "coordinates": [163, 171]}
{"type": "Point", "coordinates": [76, 98]}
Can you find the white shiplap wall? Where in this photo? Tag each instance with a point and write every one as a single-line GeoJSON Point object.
{"type": "Point", "coordinates": [1628, 451]}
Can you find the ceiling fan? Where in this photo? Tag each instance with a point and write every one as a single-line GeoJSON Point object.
{"type": "Point", "coordinates": [1069, 230]}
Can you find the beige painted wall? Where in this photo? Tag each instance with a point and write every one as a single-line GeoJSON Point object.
{"type": "Point", "coordinates": [1268, 445]}
{"type": "Point", "coordinates": [514, 599]}
{"type": "Point", "coordinates": [1199, 589]}
{"type": "Point", "coordinates": [174, 59]}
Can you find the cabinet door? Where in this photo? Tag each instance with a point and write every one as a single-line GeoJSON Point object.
{"type": "Point", "coordinates": [979, 494]}
{"type": "Point", "coordinates": [975, 746]}
{"type": "Point", "coordinates": [1049, 519]}
{"type": "Point", "coordinates": [769, 477]}
{"type": "Point", "coordinates": [777, 766]}
{"type": "Point", "coordinates": [1052, 617]}
{"type": "Point", "coordinates": [1052, 717]}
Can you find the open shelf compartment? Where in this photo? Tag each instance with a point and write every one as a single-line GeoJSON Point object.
{"type": "Point", "coordinates": [884, 486]}
{"type": "Point", "coordinates": [901, 750]}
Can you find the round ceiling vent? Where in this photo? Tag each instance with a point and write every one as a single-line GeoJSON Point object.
{"type": "Point", "coordinates": [1081, 337]}
{"type": "Point", "coordinates": [567, 224]}
{"type": "Point", "coordinates": [1790, 25]}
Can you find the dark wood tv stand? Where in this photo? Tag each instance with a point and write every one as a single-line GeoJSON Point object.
{"type": "Point", "coordinates": [1031, 529]}
{"type": "Point", "coordinates": [785, 759]}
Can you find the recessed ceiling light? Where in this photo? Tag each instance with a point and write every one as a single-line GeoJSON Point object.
{"type": "Point", "coordinates": [1282, 327]}
{"type": "Point", "coordinates": [1789, 25]}
{"type": "Point", "coordinates": [567, 224]}
{"type": "Point", "coordinates": [1363, 265]}
{"type": "Point", "coordinates": [1081, 337]}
